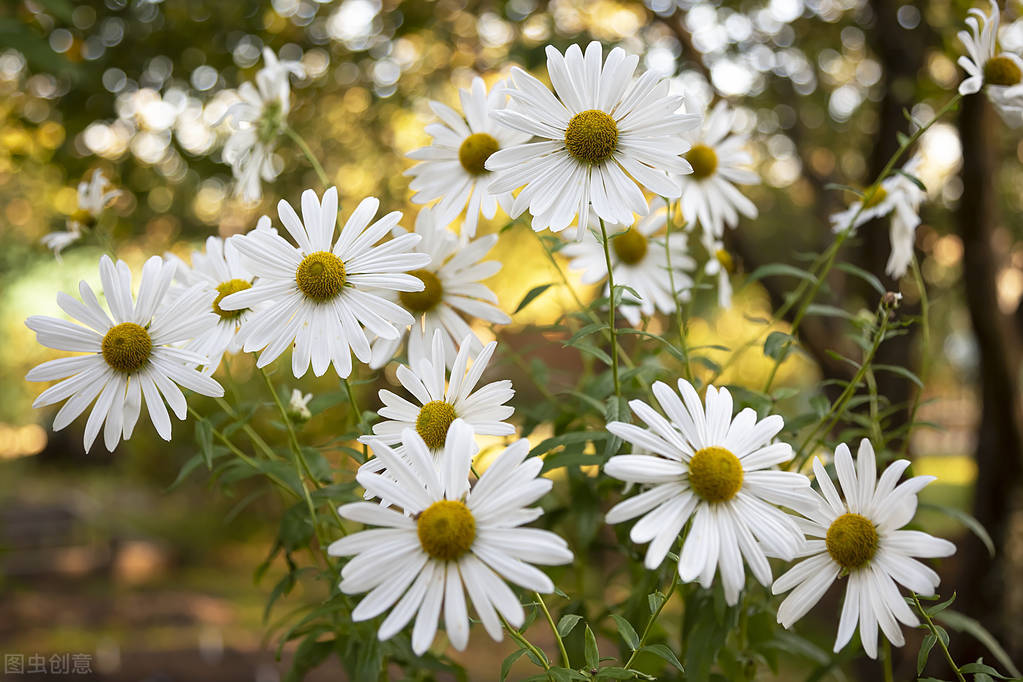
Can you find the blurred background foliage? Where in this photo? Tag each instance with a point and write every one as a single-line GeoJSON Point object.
{"type": "Point", "coordinates": [138, 89]}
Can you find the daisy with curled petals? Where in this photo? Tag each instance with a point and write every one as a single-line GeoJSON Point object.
{"type": "Point", "coordinates": [999, 73]}
{"type": "Point", "coordinates": [602, 133]}
{"type": "Point", "coordinates": [446, 539]}
{"type": "Point", "coordinates": [453, 168]}
{"type": "Point", "coordinates": [452, 289]}
{"type": "Point", "coordinates": [222, 269]}
{"type": "Point", "coordinates": [716, 470]}
{"type": "Point", "coordinates": [900, 197]}
{"type": "Point", "coordinates": [638, 260]}
{"type": "Point", "coordinates": [323, 290]}
{"type": "Point", "coordinates": [719, 159]}
{"type": "Point", "coordinates": [860, 538]}
{"type": "Point", "coordinates": [442, 397]}
{"type": "Point", "coordinates": [257, 121]}
{"type": "Point", "coordinates": [129, 356]}
{"type": "Point", "coordinates": [93, 197]}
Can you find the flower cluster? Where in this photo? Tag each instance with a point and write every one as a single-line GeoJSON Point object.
{"type": "Point", "coordinates": [639, 174]}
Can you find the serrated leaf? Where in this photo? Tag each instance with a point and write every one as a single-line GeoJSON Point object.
{"type": "Point", "coordinates": [531, 295]}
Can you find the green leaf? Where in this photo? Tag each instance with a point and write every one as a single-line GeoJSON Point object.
{"type": "Point", "coordinates": [532, 294]}
{"type": "Point", "coordinates": [655, 600]}
{"type": "Point", "coordinates": [627, 632]}
{"type": "Point", "coordinates": [867, 277]}
{"type": "Point", "coordinates": [779, 269]}
{"type": "Point", "coordinates": [925, 651]}
{"type": "Point", "coordinates": [823, 310]}
{"type": "Point", "coordinates": [567, 623]}
{"type": "Point", "coordinates": [963, 623]}
{"type": "Point", "coordinates": [559, 674]}
{"type": "Point", "coordinates": [981, 668]}
{"type": "Point", "coordinates": [590, 651]}
{"type": "Point", "coordinates": [962, 517]}
{"type": "Point", "coordinates": [204, 438]}
{"type": "Point", "coordinates": [912, 178]}
{"type": "Point", "coordinates": [938, 608]}
{"type": "Point", "coordinates": [615, 673]}
{"type": "Point", "coordinates": [509, 661]}
{"type": "Point", "coordinates": [777, 345]}
{"type": "Point", "coordinates": [665, 652]}
{"type": "Point", "coordinates": [901, 371]}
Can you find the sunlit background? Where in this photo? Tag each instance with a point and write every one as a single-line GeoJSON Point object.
{"type": "Point", "coordinates": [100, 557]}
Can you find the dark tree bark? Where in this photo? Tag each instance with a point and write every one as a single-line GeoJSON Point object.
{"type": "Point", "coordinates": [901, 53]}
{"type": "Point", "coordinates": [981, 584]}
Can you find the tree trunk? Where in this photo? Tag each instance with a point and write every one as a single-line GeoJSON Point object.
{"type": "Point", "coordinates": [1000, 433]}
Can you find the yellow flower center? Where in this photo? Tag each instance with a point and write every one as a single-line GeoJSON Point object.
{"type": "Point", "coordinates": [880, 195]}
{"type": "Point", "coordinates": [433, 421]}
{"type": "Point", "coordinates": [431, 295]}
{"type": "Point", "coordinates": [231, 286]}
{"type": "Point", "coordinates": [725, 259]}
{"type": "Point", "coordinates": [446, 530]}
{"type": "Point", "coordinates": [1001, 71]}
{"type": "Point", "coordinates": [852, 541]}
{"type": "Point", "coordinates": [127, 346]}
{"type": "Point", "coordinates": [715, 474]}
{"type": "Point", "coordinates": [83, 217]}
{"type": "Point", "coordinates": [630, 246]}
{"type": "Point", "coordinates": [321, 276]}
{"type": "Point", "coordinates": [592, 136]}
{"type": "Point", "coordinates": [703, 159]}
{"type": "Point", "coordinates": [475, 151]}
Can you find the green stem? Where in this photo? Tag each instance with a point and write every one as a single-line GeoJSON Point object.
{"type": "Point", "coordinates": [554, 629]}
{"type": "Point", "coordinates": [886, 660]}
{"type": "Point", "coordinates": [834, 414]}
{"type": "Point", "coordinates": [256, 439]}
{"type": "Point", "coordinates": [300, 461]}
{"type": "Point", "coordinates": [925, 351]}
{"type": "Point", "coordinates": [832, 251]}
{"type": "Point", "coordinates": [313, 161]}
{"type": "Point", "coordinates": [683, 331]}
{"type": "Point", "coordinates": [611, 311]}
{"type": "Point", "coordinates": [525, 643]}
{"type": "Point", "coordinates": [237, 452]}
{"type": "Point", "coordinates": [653, 618]}
{"type": "Point", "coordinates": [941, 642]}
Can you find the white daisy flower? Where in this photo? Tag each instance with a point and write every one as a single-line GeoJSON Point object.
{"type": "Point", "coordinates": [602, 127]}
{"type": "Point", "coordinates": [447, 539]}
{"type": "Point", "coordinates": [721, 265]}
{"type": "Point", "coordinates": [258, 120]}
{"type": "Point", "coordinates": [897, 194]}
{"type": "Point", "coordinates": [999, 73]}
{"type": "Point", "coordinates": [716, 470]}
{"type": "Point", "coordinates": [298, 406]}
{"type": "Point", "coordinates": [453, 288]}
{"type": "Point", "coordinates": [322, 290]}
{"type": "Point", "coordinates": [128, 357]}
{"type": "Point", "coordinates": [860, 538]}
{"type": "Point", "coordinates": [222, 269]}
{"type": "Point", "coordinates": [719, 159]}
{"type": "Point", "coordinates": [444, 396]}
{"type": "Point", "coordinates": [452, 168]}
{"type": "Point", "coordinates": [93, 197]}
{"type": "Point", "coordinates": [638, 260]}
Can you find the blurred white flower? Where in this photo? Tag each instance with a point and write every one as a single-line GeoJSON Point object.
{"type": "Point", "coordinates": [718, 157]}
{"type": "Point", "coordinates": [257, 121]}
{"type": "Point", "coordinates": [453, 289]}
{"type": "Point", "coordinates": [720, 264]}
{"type": "Point", "coordinates": [638, 260]}
{"type": "Point", "coordinates": [298, 406]}
{"type": "Point", "coordinates": [93, 197]}
{"type": "Point", "coordinates": [898, 196]}
{"type": "Point", "coordinates": [452, 167]}
{"type": "Point", "coordinates": [999, 73]}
